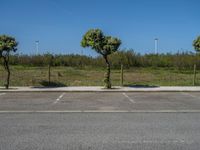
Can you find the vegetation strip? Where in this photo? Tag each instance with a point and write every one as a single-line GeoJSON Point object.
{"type": "Point", "coordinates": [105, 46]}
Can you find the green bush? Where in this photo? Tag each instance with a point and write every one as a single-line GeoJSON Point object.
{"type": "Point", "coordinates": [128, 58]}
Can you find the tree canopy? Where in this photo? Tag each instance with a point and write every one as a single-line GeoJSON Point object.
{"type": "Point", "coordinates": [105, 45]}
{"type": "Point", "coordinates": [196, 44]}
{"type": "Point", "coordinates": [7, 44]}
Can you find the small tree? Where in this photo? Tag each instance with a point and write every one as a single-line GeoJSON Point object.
{"type": "Point", "coordinates": [196, 44]}
{"type": "Point", "coordinates": [49, 60]}
{"type": "Point", "coordinates": [104, 45]}
{"type": "Point", "coordinates": [7, 45]}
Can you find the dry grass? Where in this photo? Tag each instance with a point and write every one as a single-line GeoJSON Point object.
{"type": "Point", "coordinates": [67, 76]}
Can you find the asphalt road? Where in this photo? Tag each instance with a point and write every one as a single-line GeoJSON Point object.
{"type": "Point", "coordinates": [100, 101]}
{"type": "Point", "coordinates": [99, 131]}
{"type": "Point", "coordinates": [52, 121]}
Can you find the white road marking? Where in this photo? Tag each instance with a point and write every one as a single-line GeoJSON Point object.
{"type": "Point", "coordinates": [2, 94]}
{"type": "Point", "coordinates": [59, 98]}
{"type": "Point", "coordinates": [99, 111]}
{"type": "Point", "coordinates": [130, 99]}
{"type": "Point", "coordinates": [156, 141]}
{"type": "Point", "coordinates": [184, 93]}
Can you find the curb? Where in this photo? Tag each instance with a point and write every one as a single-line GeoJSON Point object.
{"type": "Point", "coordinates": [100, 89]}
{"type": "Point", "coordinates": [74, 91]}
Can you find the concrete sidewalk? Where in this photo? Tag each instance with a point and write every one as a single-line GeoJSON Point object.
{"type": "Point", "coordinates": [101, 89]}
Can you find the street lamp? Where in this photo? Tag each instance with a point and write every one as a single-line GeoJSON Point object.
{"type": "Point", "coordinates": [156, 45]}
{"type": "Point", "coordinates": [37, 47]}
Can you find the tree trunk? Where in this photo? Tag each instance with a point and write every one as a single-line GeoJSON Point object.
{"type": "Point", "coordinates": [49, 74]}
{"type": "Point", "coordinates": [7, 68]}
{"type": "Point", "coordinates": [122, 75]}
{"type": "Point", "coordinates": [107, 74]}
{"type": "Point", "coordinates": [194, 76]}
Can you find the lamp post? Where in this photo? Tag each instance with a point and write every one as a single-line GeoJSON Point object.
{"type": "Point", "coordinates": [37, 47]}
{"type": "Point", "coordinates": [156, 45]}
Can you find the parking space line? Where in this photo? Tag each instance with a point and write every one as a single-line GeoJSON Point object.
{"type": "Point", "coordinates": [59, 98]}
{"type": "Point", "coordinates": [184, 93]}
{"type": "Point", "coordinates": [130, 99]}
{"type": "Point", "coordinates": [2, 94]}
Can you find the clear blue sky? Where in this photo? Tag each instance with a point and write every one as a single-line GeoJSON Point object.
{"type": "Point", "coordinates": [60, 24]}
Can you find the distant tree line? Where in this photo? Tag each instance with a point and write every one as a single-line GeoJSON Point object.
{"type": "Point", "coordinates": [129, 58]}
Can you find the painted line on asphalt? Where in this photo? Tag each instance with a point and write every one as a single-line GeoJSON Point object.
{"type": "Point", "coordinates": [130, 99]}
{"type": "Point", "coordinates": [180, 141]}
{"type": "Point", "coordinates": [2, 94]}
{"type": "Point", "coordinates": [100, 111]}
{"type": "Point", "coordinates": [188, 94]}
{"type": "Point", "coordinates": [59, 98]}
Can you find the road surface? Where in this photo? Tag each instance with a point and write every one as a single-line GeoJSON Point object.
{"type": "Point", "coordinates": [110, 121]}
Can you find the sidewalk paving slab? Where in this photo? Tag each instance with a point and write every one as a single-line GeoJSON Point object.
{"type": "Point", "coordinates": [102, 89]}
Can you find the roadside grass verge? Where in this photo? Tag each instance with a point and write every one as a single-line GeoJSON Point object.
{"type": "Point", "coordinates": [68, 76]}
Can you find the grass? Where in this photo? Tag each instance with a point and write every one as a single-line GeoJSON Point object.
{"type": "Point", "coordinates": [68, 76]}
